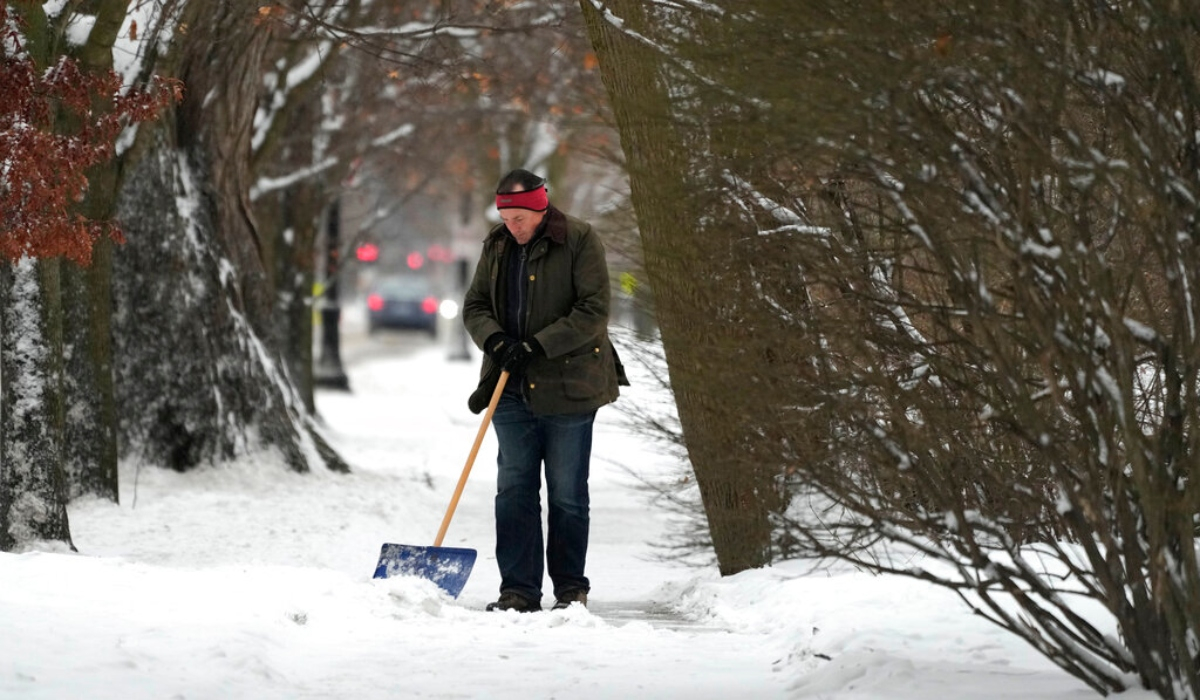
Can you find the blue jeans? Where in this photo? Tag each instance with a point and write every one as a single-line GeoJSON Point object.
{"type": "Point", "coordinates": [564, 444]}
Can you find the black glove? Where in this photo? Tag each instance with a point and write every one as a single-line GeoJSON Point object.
{"type": "Point", "coordinates": [519, 355]}
{"type": "Point", "coordinates": [483, 393]}
{"type": "Point", "coordinates": [497, 346]}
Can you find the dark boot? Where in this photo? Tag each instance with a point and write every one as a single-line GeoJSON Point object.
{"type": "Point", "coordinates": [564, 599]}
{"type": "Point", "coordinates": [514, 601]}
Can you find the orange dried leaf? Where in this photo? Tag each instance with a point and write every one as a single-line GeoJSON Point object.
{"type": "Point", "coordinates": [942, 44]}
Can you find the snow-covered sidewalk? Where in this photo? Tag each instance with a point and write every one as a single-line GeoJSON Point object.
{"type": "Point", "coordinates": [247, 581]}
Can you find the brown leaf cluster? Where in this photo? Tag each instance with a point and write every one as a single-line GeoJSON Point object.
{"type": "Point", "coordinates": [55, 124]}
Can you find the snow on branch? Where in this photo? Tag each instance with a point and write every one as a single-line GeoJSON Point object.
{"type": "Point", "coordinates": [697, 5]}
{"type": "Point", "coordinates": [267, 185]}
{"type": "Point", "coordinates": [295, 75]}
{"type": "Point", "coordinates": [790, 220]}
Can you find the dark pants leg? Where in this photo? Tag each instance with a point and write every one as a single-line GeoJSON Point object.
{"type": "Point", "coordinates": [564, 444]}
{"type": "Point", "coordinates": [567, 453]}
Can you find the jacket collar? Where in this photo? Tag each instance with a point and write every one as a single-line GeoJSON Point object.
{"type": "Point", "coordinates": [556, 225]}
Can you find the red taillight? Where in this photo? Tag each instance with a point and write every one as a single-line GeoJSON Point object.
{"type": "Point", "coordinates": [430, 305]}
{"type": "Point", "coordinates": [367, 252]}
{"type": "Point", "coordinates": [374, 302]}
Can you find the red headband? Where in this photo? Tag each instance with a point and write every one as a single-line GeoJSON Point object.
{"type": "Point", "coordinates": [534, 199]}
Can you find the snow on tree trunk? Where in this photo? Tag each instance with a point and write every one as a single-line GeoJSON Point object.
{"type": "Point", "coordinates": [90, 438]}
{"type": "Point", "coordinates": [32, 490]}
{"type": "Point", "coordinates": [196, 384]}
{"type": "Point", "coordinates": [199, 368]}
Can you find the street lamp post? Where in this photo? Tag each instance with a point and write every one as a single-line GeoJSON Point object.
{"type": "Point", "coordinates": [329, 372]}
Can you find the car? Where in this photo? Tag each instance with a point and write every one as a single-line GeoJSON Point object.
{"type": "Point", "coordinates": [403, 302]}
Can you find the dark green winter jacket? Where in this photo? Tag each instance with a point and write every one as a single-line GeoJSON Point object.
{"type": "Point", "coordinates": [567, 314]}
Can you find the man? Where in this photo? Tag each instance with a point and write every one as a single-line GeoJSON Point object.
{"type": "Point", "coordinates": [538, 307]}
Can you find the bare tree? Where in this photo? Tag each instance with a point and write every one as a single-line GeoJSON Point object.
{"type": "Point", "coordinates": [973, 230]}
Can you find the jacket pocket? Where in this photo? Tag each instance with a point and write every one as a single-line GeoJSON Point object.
{"type": "Point", "coordinates": [583, 373]}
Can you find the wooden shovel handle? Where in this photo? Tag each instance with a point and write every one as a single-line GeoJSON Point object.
{"type": "Point", "coordinates": [462, 480]}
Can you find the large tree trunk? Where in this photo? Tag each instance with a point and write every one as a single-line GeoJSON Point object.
{"type": "Point", "coordinates": [221, 63]}
{"type": "Point", "coordinates": [32, 488]}
{"type": "Point", "coordinates": [202, 377]}
{"type": "Point", "coordinates": [687, 264]}
{"type": "Point", "coordinates": [90, 440]}
{"type": "Point", "coordinates": [58, 437]}
{"type": "Point", "coordinates": [90, 429]}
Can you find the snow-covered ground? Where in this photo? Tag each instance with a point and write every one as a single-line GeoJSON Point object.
{"type": "Point", "coordinates": [247, 581]}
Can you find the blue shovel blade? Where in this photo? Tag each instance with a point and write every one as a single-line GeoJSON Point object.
{"type": "Point", "coordinates": [448, 567]}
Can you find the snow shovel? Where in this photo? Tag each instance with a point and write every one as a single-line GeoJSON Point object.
{"type": "Point", "coordinates": [448, 567]}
